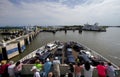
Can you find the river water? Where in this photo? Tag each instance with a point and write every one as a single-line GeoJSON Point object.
{"type": "Point", "coordinates": [106, 43]}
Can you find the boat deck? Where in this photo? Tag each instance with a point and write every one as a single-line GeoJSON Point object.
{"type": "Point", "coordinates": [63, 67]}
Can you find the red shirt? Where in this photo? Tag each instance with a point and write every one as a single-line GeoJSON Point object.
{"type": "Point", "coordinates": [78, 69]}
{"type": "Point", "coordinates": [3, 68]}
{"type": "Point", "coordinates": [101, 70]}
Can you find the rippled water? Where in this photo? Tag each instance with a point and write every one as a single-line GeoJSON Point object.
{"type": "Point", "coordinates": [105, 43]}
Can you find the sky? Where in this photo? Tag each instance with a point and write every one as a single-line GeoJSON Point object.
{"type": "Point", "coordinates": [59, 12]}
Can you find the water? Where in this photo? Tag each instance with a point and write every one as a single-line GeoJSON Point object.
{"type": "Point", "coordinates": [105, 43]}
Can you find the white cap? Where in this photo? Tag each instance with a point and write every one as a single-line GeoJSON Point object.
{"type": "Point", "coordinates": [56, 58]}
{"type": "Point", "coordinates": [33, 68]}
{"type": "Point", "coordinates": [92, 56]}
{"type": "Point", "coordinates": [47, 59]}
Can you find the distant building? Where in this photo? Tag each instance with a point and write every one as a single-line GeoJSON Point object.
{"type": "Point", "coordinates": [94, 27]}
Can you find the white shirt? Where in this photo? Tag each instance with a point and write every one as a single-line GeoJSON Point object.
{"type": "Point", "coordinates": [88, 73]}
{"type": "Point", "coordinates": [11, 70]}
{"type": "Point", "coordinates": [111, 71]}
{"type": "Point", "coordinates": [56, 65]}
{"type": "Point", "coordinates": [36, 74]}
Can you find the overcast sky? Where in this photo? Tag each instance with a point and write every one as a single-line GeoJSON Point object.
{"type": "Point", "coordinates": [59, 12]}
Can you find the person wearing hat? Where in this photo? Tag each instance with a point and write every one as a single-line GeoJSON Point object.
{"type": "Point", "coordinates": [36, 72]}
{"type": "Point", "coordinates": [56, 67]}
{"type": "Point", "coordinates": [47, 67]}
{"type": "Point", "coordinates": [56, 60]}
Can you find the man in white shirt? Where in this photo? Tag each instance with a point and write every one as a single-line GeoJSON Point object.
{"type": "Point", "coordinates": [56, 67]}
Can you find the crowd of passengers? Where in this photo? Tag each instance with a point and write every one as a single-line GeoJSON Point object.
{"type": "Point", "coordinates": [52, 69]}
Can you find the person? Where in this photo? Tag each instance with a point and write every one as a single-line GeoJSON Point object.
{"type": "Point", "coordinates": [18, 69]}
{"type": "Point", "coordinates": [4, 69]}
{"type": "Point", "coordinates": [110, 70]}
{"type": "Point", "coordinates": [88, 70]}
{"type": "Point", "coordinates": [71, 68]}
{"type": "Point", "coordinates": [70, 75]}
{"type": "Point", "coordinates": [47, 67]}
{"type": "Point", "coordinates": [11, 69]}
{"type": "Point", "coordinates": [56, 67]}
{"type": "Point", "coordinates": [101, 70]}
{"type": "Point", "coordinates": [56, 60]}
{"type": "Point", "coordinates": [38, 64]}
{"type": "Point", "coordinates": [36, 71]}
{"type": "Point", "coordinates": [0, 70]}
{"type": "Point", "coordinates": [78, 60]}
{"type": "Point", "coordinates": [94, 60]}
{"type": "Point", "coordinates": [50, 74]}
{"type": "Point", "coordinates": [78, 70]}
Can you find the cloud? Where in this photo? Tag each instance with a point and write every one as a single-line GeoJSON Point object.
{"type": "Point", "coordinates": [59, 12]}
